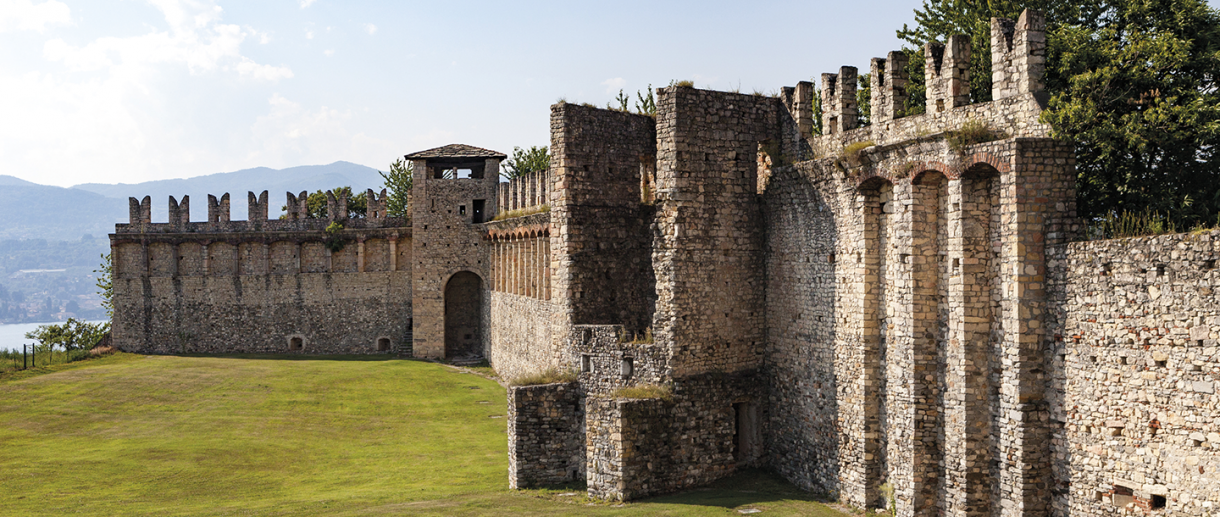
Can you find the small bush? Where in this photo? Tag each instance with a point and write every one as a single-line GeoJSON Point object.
{"type": "Point", "coordinates": [636, 338]}
{"type": "Point", "coordinates": [683, 84]}
{"type": "Point", "coordinates": [550, 376]}
{"type": "Point", "coordinates": [522, 212]}
{"type": "Point", "coordinates": [851, 153]}
{"type": "Point", "coordinates": [1126, 224]}
{"type": "Point", "coordinates": [645, 391]}
{"type": "Point", "coordinates": [334, 241]}
{"type": "Point", "coordinates": [972, 132]}
{"type": "Point", "coordinates": [102, 350]}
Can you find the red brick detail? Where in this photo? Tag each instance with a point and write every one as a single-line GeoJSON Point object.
{"type": "Point", "coordinates": [990, 159]}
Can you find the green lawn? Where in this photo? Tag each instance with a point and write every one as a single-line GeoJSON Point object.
{"type": "Point", "coordinates": [164, 435]}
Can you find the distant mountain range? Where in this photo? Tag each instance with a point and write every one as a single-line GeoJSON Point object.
{"type": "Point", "coordinates": [34, 211]}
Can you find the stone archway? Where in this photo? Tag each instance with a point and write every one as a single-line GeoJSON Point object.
{"type": "Point", "coordinates": [464, 316]}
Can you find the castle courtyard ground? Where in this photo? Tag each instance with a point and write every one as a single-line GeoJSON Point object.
{"type": "Point", "coordinates": [292, 435]}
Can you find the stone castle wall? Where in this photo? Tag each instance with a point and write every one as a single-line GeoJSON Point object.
{"type": "Point", "coordinates": [522, 318]}
{"type": "Point", "coordinates": [1141, 413]}
{"type": "Point", "coordinates": [253, 286]}
{"type": "Point", "coordinates": [640, 447]}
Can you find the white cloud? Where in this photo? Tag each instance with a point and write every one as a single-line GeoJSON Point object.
{"type": "Point", "coordinates": [307, 3]}
{"type": "Point", "coordinates": [370, 28]}
{"type": "Point", "coordinates": [103, 106]}
{"type": "Point", "coordinates": [28, 16]}
{"type": "Point", "coordinates": [308, 34]}
{"type": "Point", "coordinates": [329, 52]}
{"type": "Point", "coordinates": [614, 85]}
{"type": "Point", "coordinates": [249, 68]}
{"type": "Point", "coordinates": [263, 37]}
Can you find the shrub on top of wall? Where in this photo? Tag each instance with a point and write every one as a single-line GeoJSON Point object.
{"type": "Point", "coordinates": [972, 132]}
{"type": "Point", "coordinates": [550, 376]}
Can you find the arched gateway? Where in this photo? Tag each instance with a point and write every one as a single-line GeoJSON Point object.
{"type": "Point", "coordinates": [464, 316]}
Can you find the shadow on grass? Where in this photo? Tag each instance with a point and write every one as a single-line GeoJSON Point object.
{"type": "Point", "coordinates": [304, 357]}
{"type": "Point", "coordinates": [747, 487]}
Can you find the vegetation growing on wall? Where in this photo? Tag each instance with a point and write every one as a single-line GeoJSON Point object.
{"type": "Point", "coordinates": [645, 391]}
{"type": "Point", "coordinates": [334, 239]}
{"type": "Point", "coordinates": [550, 376]}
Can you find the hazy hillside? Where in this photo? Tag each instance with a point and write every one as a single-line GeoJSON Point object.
{"type": "Point", "coordinates": [45, 264]}
{"type": "Point", "coordinates": [32, 211]}
{"type": "Point", "coordinates": [237, 184]}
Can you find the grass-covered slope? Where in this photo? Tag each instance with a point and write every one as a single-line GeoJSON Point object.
{"type": "Point", "coordinates": [135, 435]}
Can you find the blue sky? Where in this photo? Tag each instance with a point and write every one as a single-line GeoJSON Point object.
{"type": "Point", "coordinates": [134, 90]}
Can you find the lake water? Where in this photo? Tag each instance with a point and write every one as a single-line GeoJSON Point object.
{"type": "Point", "coordinates": [12, 336]}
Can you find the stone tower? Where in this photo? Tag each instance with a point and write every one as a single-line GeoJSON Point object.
{"type": "Point", "coordinates": [454, 190]}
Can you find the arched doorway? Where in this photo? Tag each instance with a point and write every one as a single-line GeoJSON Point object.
{"type": "Point", "coordinates": [464, 316]}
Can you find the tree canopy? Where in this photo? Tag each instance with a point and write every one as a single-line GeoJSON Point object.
{"type": "Point", "coordinates": [357, 205]}
{"type": "Point", "coordinates": [73, 334]}
{"type": "Point", "coordinates": [525, 161]}
{"type": "Point", "coordinates": [398, 184]}
{"type": "Point", "coordinates": [1131, 83]}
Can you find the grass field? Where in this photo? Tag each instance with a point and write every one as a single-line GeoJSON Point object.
{"type": "Point", "coordinates": [165, 435]}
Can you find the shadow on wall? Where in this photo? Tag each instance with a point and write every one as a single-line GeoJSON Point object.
{"type": "Point", "coordinates": [801, 308]}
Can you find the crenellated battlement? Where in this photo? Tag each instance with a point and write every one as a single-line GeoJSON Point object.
{"type": "Point", "coordinates": [296, 219]}
{"type": "Point", "coordinates": [524, 193]}
{"type": "Point", "coordinates": [1018, 59]}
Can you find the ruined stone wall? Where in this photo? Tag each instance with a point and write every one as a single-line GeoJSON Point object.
{"type": "Point", "coordinates": [545, 435]}
{"type": "Point", "coordinates": [1141, 371]}
{"type": "Point", "coordinates": [253, 286]}
{"type": "Point", "coordinates": [610, 358]}
{"type": "Point", "coordinates": [708, 252]}
{"type": "Point", "coordinates": [639, 447]}
{"type": "Point", "coordinates": [906, 321]}
{"type": "Point", "coordinates": [600, 240]}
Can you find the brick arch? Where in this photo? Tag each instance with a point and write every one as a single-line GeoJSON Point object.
{"type": "Point", "coordinates": [872, 183]}
{"type": "Point", "coordinates": [984, 157]}
{"type": "Point", "coordinates": [922, 168]}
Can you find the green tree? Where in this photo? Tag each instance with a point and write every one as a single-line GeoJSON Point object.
{"type": "Point", "coordinates": [105, 283]}
{"type": "Point", "coordinates": [646, 105]}
{"type": "Point", "coordinates": [620, 102]}
{"type": "Point", "coordinates": [357, 205]}
{"type": "Point", "coordinates": [817, 111]}
{"type": "Point", "coordinates": [72, 335]}
{"type": "Point", "coordinates": [1132, 85]}
{"type": "Point", "coordinates": [864, 99]}
{"type": "Point", "coordinates": [1137, 93]}
{"type": "Point", "coordinates": [398, 184]}
{"type": "Point", "coordinates": [525, 161]}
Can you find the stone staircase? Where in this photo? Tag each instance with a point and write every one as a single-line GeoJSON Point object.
{"type": "Point", "coordinates": [406, 347]}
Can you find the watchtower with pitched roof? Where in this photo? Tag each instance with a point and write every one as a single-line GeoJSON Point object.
{"type": "Point", "coordinates": [454, 190]}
